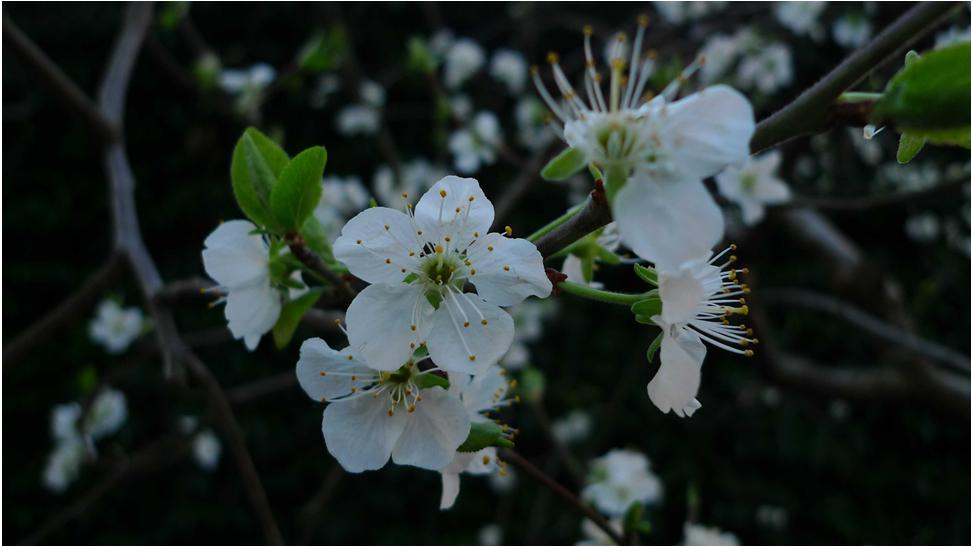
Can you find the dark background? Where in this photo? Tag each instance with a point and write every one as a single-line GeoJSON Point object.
{"type": "Point", "coordinates": [884, 471]}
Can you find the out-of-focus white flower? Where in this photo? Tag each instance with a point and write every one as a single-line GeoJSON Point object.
{"type": "Point", "coordinates": [696, 534]}
{"type": "Point", "coordinates": [64, 464]}
{"type": "Point", "coordinates": [476, 144]}
{"type": "Point", "coordinates": [461, 106]}
{"type": "Point", "coordinates": [248, 80]}
{"type": "Point", "coordinates": [911, 177]}
{"type": "Point", "coordinates": [491, 534]}
{"type": "Point", "coordinates": [620, 478]}
{"type": "Point", "coordinates": [869, 149]}
{"type": "Point", "coordinates": [509, 67]}
{"type": "Point", "coordinates": [771, 396]}
{"type": "Point", "coordinates": [342, 198]}
{"type": "Point", "coordinates": [116, 328]}
{"type": "Point", "coordinates": [371, 93]}
{"type": "Point", "coordinates": [358, 119]}
{"type": "Point", "coordinates": [417, 176]}
{"type": "Point", "coordinates": [64, 420]}
{"type": "Point", "coordinates": [327, 85]}
{"type": "Point", "coordinates": [771, 516]}
{"type": "Point", "coordinates": [573, 268]}
{"type": "Point", "coordinates": [464, 58]}
{"type": "Point", "coordinates": [528, 318]}
{"type": "Point", "coordinates": [720, 52]}
{"type": "Point", "coordinates": [573, 427]}
{"type": "Point", "coordinates": [502, 483]}
{"type": "Point", "coordinates": [754, 186]}
{"type": "Point", "coordinates": [107, 414]}
{"type": "Point", "coordinates": [206, 449]}
{"type": "Point", "coordinates": [766, 70]}
{"type": "Point", "coordinates": [952, 35]}
{"type": "Point", "coordinates": [440, 42]}
{"type": "Point", "coordinates": [801, 17]}
{"type": "Point", "coordinates": [923, 227]}
{"type": "Point", "coordinates": [680, 12]}
{"type": "Point", "coordinates": [852, 31]}
{"type": "Point", "coordinates": [593, 535]}
{"type": "Point", "coordinates": [531, 123]}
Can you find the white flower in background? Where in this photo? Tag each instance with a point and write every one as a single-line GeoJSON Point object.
{"type": "Point", "coordinates": [358, 119]}
{"type": "Point", "coordinates": [418, 264]}
{"type": "Point", "coordinates": [754, 186]}
{"type": "Point", "coordinates": [509, 67]}
{"type": "Point", "coordinates": [463, 59]}
{"type": "Point", "coordinates": [371, 93]}
{"type": "Point", "coordinates": [593, 535]}
{"type": "Point", "coordinates": [206, 449]}
{"type": "Point", "coordinates": [869, 149]}
{"type": "Point", "coordinates": [377, 414]}
{"type": "Point", "coordinates": [531, 123]}
{"type": "Point", "coordinates": [116, 328]}
{"type": "Point", "coordinates": [239, 262]}
{"type": "Point", "coordinates": [766, 70]}
{"type": "Point", "coordinates": [416, 177]}
{"type": "Point", "coordinates": [64, 421]}
{"type": "Point", "coordinates": [503, 483]}
{"type": "Point", "coordinates": [679, 12]}
{"type": "Point", "coordinates": [923, 227]}
{"type": "Point", "coordinates": [573, 427]}
{"type": "Point", "coordinates": [696, 534]}
{"type": "Point", "coordinates": [852, 31]}
{"type": "Point", "coordinates": [480, 395]}
{"type": "Point", "coordinates": [461, 107]}
{"type": "Point", "coordinates": [327, 85]}
{"type": "Point", "coordinates": [247, 81]}
{"type": "Point", "coordinates": [952, 35]}
{"type": "Point", "coordinates": [341, 199]}
{"type": "Point", "coordinates": [669, 146]}
{"type": "Point", "coordinates": [696, 304]}
{"type": "Point", "coordinates": [771, 516]}
{"type": "Point", "coordinates": [801, 17]}
{"type": "Point", "coordinates": [620, 478]}
{"type": "Point", "coordinates": [64, 464]}
{"type": "Point", "coordinates": [107, 414]}
{"type": "Point", "coordinates": [573, 268]}
{"type": "Point", "coordinates": [476, 144]}
{"type": "Point", "coordinates": [720, 52]}
{"type": "Point", "coordinates": [491, 534]}
{"type": "Point", "coordinates": [528, 317]}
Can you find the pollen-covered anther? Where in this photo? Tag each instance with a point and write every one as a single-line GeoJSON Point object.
{"type": "Point", "coordinates": [323, 373]}
{"type": "Point", "coordinates": [643, 20]}
{"type": "Point", "coordinates": [413, 327]}
{"type": "Point", "coordinates": [508, 231]}
{"type": "Point", "coordinates": [465, 324]}
{"type": "Point", "coordinates": [552, 57]}
{"type": "Point", "coordinates": [447, 239]}
{"type": "Point", "coordinates": [475, 234]}
{"type": "Point", "coordinates": [748, 353]}
{"type": "Point", "coordinates": [458, 210]}
{"type": "Point", "coordinates": [439, 249]}
{"type": "Point", "coordinates": [387, 261]}
{"type": "Point", "coordinates": [387, 227]}
{"type": "Point", "coordinates": [472, 357]}
{"type": "Point", "coordinates": [391, 412]}
{"type": "Point", "coordinates": [483, 322]}
{"type": "Point", "coordinates": [443, 194]}
{"type": "Point", "coordinates": [506, 268]}
{"type": "Point", "coordinates": [489, 248]}
{"type": "Point", "coordinates": [472, 272]}
{"type": "Point", "coordinates": [411, 407]}
{"type": "Point", "coordinates": [358, 241]}
{"type": "Point", "coordinates": [486, 459]}
{"type": "Point", "coordinates": [350, 357]}
{"type": "Point", "coordinates": [588, 30]}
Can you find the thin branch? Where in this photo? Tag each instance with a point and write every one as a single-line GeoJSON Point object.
{"type": "Point", "coordinates": [317, 265]}
{"type": "Point", "coordinates": [864, 203]}
{"type": "Point", "coordinates": [568, 496]}
{"type": "Point", "coordinates": [70, 309]}
{"type": "Point", "coordinates": [260, 388]}
{"type": "Point", "coordinates": [311, 513]}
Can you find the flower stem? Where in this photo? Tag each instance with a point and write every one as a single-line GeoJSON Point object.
{"type": "Point", "coordinates": [858, 97]}
{"type": "Point", "coordinates": [622, 299]}
{"type": "Point", "coordinates": [555, 222]}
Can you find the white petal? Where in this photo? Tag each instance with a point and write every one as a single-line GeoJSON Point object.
{"type": "Point", "coordinates": [677, 381]}
{"type": "Point", "coordinates": [360, 434]}
{"type": "Point", "coordinates": [467, 334]}
{"type": "Point", "coordinates": [450, 490]}
{"type": "Point", "coordinates": [380, 324]}
{"type": "Point", "coordinates": [454, 215]}
{"type": "Point", "coordinates": [507, 270]}
{"type": "Point", "coordinates": [232, 256]}
{"type": "Point", "coordinates": [433, 431]}
{"type": "Point", "coordinates": [709, 130]}
{"type": "Point", "coordinates": [668, 223]}
{"type": "Point", "coordinates": [252, 311]}
{"type": "Point", "coordinates": [770, 189]}
{"type": "Point", "coordinates": [752, 212]}
{"type": "Point", "coordinates": [483, 462]}
{"type": "Point", "coordinates": [325, 373]}
{"type": "Point", "coordinates": [681, 295]}
{"type": "Point", "coordinates": [481, 392]}
{"type": "Point", "coordinates": [376, 243]}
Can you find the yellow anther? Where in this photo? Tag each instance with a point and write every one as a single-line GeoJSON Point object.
{"type": "Point", "coordinates": [472, 272]}
{"type": "Point", "coordinates": [489, 248]}
{"type": "Point", "coordinates": [467, 263]}
{"type": "Point", "coordinates": [622, 37]}
{"type": "Point", "coordinates": [387, 261]}
{"type": "Point", "coordinates": [411, 345]}
{"type": "Point", "coordinates": [439, 249]}
{"type": "Point", "coordinates": [472, 357]}
{"type": "Point", "coordinates": [458, 210]}
{"type": "Point", "coordinates": [350, 357]}
{"type": "Point", "coordinates": [732, 275]}
{"type": "Point", "coordinates": [387, 227]}
{"type": "Point", "coordinates": [588, 30]}
{"type": "Point", "coordinates": [755, 341]}
{"type": "Point", "coordinates": [732, 247]}
{"type": "Point", "coordinates": [746, 290]}
{"type": "Point", "coordinates": [411, 408]}
{"type": "Point", "coordinates": [358, 242]}
{"type": "Point", "coordinates": [749, 353]}
{"type": "Point", "coordinates": [749, 332]}
{"type": "Point", "coordinates": [413, 327]}
{"type": "Point", "coordinates": [506, 268]}
{"type": "Point", "coordinates": [475, 234]}
{"type": "Point", "coordinates": [472, 199]}
{"type": "Point", "coordinates": [465, 324]}
{"type": "Point", "coordinates": [447, 239]}
{"type": "Point", "coordinates": [552, 58]}
{"type": "Point", "coordinates": [354, 390]}
{"type": "Point", "coordinates": [403, 270]}
{"type": "Point", "coordinates": [354, 378]}
{"type": "Point", "coordinates": [534, 70]}
{"type": "Point", "coordinates": [486, 460]}
{"type": "Point", "coordinates": [411, 253]}
{"type": "Point", "coordinates": [643, 20]}
{"type": "Point", "coordinates": [617, 64]}
{"type": "Point", "coordinates": [508, 231]}
{"type": "Point", "coordinates": [651, 54]}
{"type": "Point", "coordinates": [745, 270]}
{"type": "Point", "coordinates": [733, 258]}
{"type": "Point", "coordinates": [391, 412]}
{"type": "Point", "coordinates": [443, 193]}
{"type": "Point", "coordinates": [419, 232]}
{"type": "Point", "coordinates": [484, 322]}
{"type": "Point", "coordinates": [404, 195]}
{"type": "Point", "coordinates": [323, 373]}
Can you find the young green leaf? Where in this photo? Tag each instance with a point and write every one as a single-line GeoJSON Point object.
{"type": "Point", "coordinates": [290, 316]}
{"type": "Point", "coordinates": [908, 147]}
{"type": "Point", "coordinates": [427, 380]}
{"type": "Point", "coordinates": [482, 435]}
{"type": "Point", "coordinates": [653, 348]}
{"type": "Point", "coordinates": [565, 165]}
{"type": "Point", "coordinates": [648, 275]}
{"type": "Point", "coordinates": [317, 240]}
{"type": "Point", "coordinates": [648, 307]}
{"type": "Point", "coordinates": [256, 164]}
{"type": "Point", "coordinates": [298, 188]}
{"type": "Point", "coordinates": [616, 179]}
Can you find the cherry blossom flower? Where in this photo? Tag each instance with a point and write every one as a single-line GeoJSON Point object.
{"type": "Point", "coordinates": [593, 535]}
{"type": "Point", "coordinates": [852, 31]}
{"type": "Point", "coordinates": [801, 17]}
{"type": "Point", "coordinates": [696, 304]}
{"type": "Point", "coordinates": [463, 59]}
{"type": "Point", "coordinates": [246, 81]}
{"type": "Point", "coordinates": [116, 328]}
{"type": "Point", "coordinates": [573, 427]}
{"type": "Point", "coordinates": [418, 264]}
{"type": "Point", "coordinates": [620, 478]}
{"type": "Point", "coordinates": [754, 186]}
{"type": "Point", "coordinates": [509, 67]}
{"type": "Point", "coordinates": [697, 534]}
{"type": "Point", "coordinates": [206, 449]}
{"type": "Point", "coordinates": [476, 144]}
{"type": "Point", "coordinates": [341, 199]}
{"type": "Point", "coordinates": [238, 260]}
{"type": "Point", "coordinates": [64, 465]}
{"type": "Point", "coordinates": [766, 69]}
{"type": "Point", "coordinates": [358, 119]}
{"type": "Point", "coordinates": [375, 414]}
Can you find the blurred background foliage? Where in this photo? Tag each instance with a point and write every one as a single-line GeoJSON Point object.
{"type": "Point", "coordinates": [839, 471]}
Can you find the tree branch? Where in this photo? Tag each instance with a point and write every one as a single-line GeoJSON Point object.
{"type": "Point", "coordinates": [317, 265]}
{"type": "Point", "coordinates": [864, 203]}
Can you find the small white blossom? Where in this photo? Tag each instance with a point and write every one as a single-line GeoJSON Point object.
{"type": "Point", "coordinates": [923, 227]}
{"type": "Point", "coordinates": [116, 328]}
{"type": "Point", "coordinates": [64, 464]}
{"type": "Point", "coordinates": [801, 17]}
{"type": "Point", "coordinates": [358, 119]}
{"type": "Point", "coordinates": [573, 427]}
{"type": "Point", "coordinates": [476, 144]}
{"type": "Point", "coordinates": [696, 534]}
{"type": "Point", "coordinates": [64, 421]}
{"type": "Point", "coordinates": [766, 70]}
{"type": "Point", "coordinates": [952, 35]}
{"type": "Point", "coordinates": [620, 478]}
{"type": "Point", "coordinates": [107, 414]}
{"type": "Point", "coordinates": [754, 186]}
{"type": "Point", "coordinates": [531, 124]}
{"type": "Point", "coordinates": [248, 80]}
{"type": "Point", "coordinates": [416, 177]}
{"type": "Point", "coordinates": [376, 414]}
{"type": "Point", "coordinates": [720, 52]}
{"type": "Point", "coordinates": [852, 31]}
{"type": "Point", "coordinates": [463, 59]}
{"type": "Point", "coordinates": [461, 106]}
{"type": "Point", "coordinates": [418, 263]}
{"type": "Point", "coordinates": [510, 68]}
{"type": "Point", "coordinates": [327, 85]}
{"type": "Point", "coordinates": [341, 199]}
{"type": "Point", "coordinates": [371, 93]}
{"type": "Point", "coordinates": [593, 535]}
{"type": "Point", "coordinates": [491, 534]}
{"type": "Point", "coordinates": [680, 12]}
{"type": "Point", "coordinates": [239, 262]}
{"type": "Point", "coordinates": [206, 449]}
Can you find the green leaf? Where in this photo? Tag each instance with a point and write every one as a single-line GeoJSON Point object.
{"type": "Point", "coordinates": [298, 188]}
{"type": "Point", "coordinates": [653, 348]}
{"type": "Point", "coordinates": [532, 384]}
{"type": "Point", "coordinates": [632, 518]}
{"type": "Point", "coordinates": [931, 93]}
{"type": "Point", "coordinates": [649, 306]}
{"type": "Point", "coordinates": [290, 316]}
{"type": "Point", "coordinates": [648, 275]}
{"type": "Point", "coordinates": [908, 147]}
{"type": "Point", "coordinates": [87, 379]}
{"type": "Point", "coordinates": [616, 179]}
{"type": "Point", "coordinates": [595, 172]}
{"type": "Point", "coordinates": [587, 267]}
{"type": "Point", "coordinates": [565, 165]}
{"type": "Point", "coordinates": [427, 380]}
{"type": "Point", "coordinates": [256, 164]}
{"type": "Point", "coordinates": [953, 137]}
{"type": "Point", "coordinates": [319, 241]}
{"type": "Point", "coordinates": [172, 13]}
{"type": "Point", "coordinates": [323, 51]}
{"type": "Point", "coordinates": [484, 434]}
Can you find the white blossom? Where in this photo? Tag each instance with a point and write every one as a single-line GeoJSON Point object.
{"type": "Point", "coordinates": [116, 328]}
{"type": "Point", "coordinates": [923, 227]}
{"type": "Point", "coordinates": [593, 535]}
{"type": "Point", "coordinates": [341, 199]}
{"type": "Point", "coordinates": [206, 449]}
{"type": "Point", "coordinates": [620, 478]}
{"type": "Point", "coordinates": [754, 186]}
{"type": "Point", "coordinates": [528, 317]}
{"type": "Point", "coordinates": [680, 12]}
{"type": "Point", "coordinates": [327, 85]}
{"type": "Point", "coordinates": [509, 67]}
{"type": "Point", "coordinates": [64, 464]}
{"type": "Point", "coordinates": [416, 177]}
{"type": "Point", "coordinates": [461, 106]}
{"type": "Point", "coordinates": [248, 80]}
{"type": "Point", "coordinates": [358, 119]}
{"type": "Point", "coordinates": [801, 17]}
{"type": "Point", "coordinates": [952, 35]}
{"type": "Point", "coordinates": [767, 69]}
{"type": "Point", "coordinates": [720, 52]}
{"type": "Point", "coordinates": [696, 534]}
{"type": "Point", "coordinates": [476, 144]}
{"type": "Point", "coordinates": [491, 534]}
{"type": "Point", "coordinates": [371, 93]}
{"type": "Point", "coordinates": [852, 31]}
{"type": "Point", "coordinates": [375, 414]}
{"type": "Point", "coordinates": [463, 59]}
{"type": "Point", "coordinates": [696, 303]}
{"type": "Point", "coordinates": [531, 124]}
{"type": "Point", "coordinates": [107, 414]}
{"type": "Point", "coordinates": [418, 263]}
{"type": "Point", "coordinates": [573, 427]}
{"type": "Point", "coordinates": [64, 421]}
{"type": "Point", "coordinates": [238, 260]}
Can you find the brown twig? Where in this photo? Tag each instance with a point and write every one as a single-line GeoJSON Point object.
{"type": "Point", "coordinates": [311, 513]}
{"type": "Point", "coordinates": [585, 510]}
{"type": "Point", "coordinates": [317, 265]}
{"type": "Point", "coordinates": [864, 203]}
